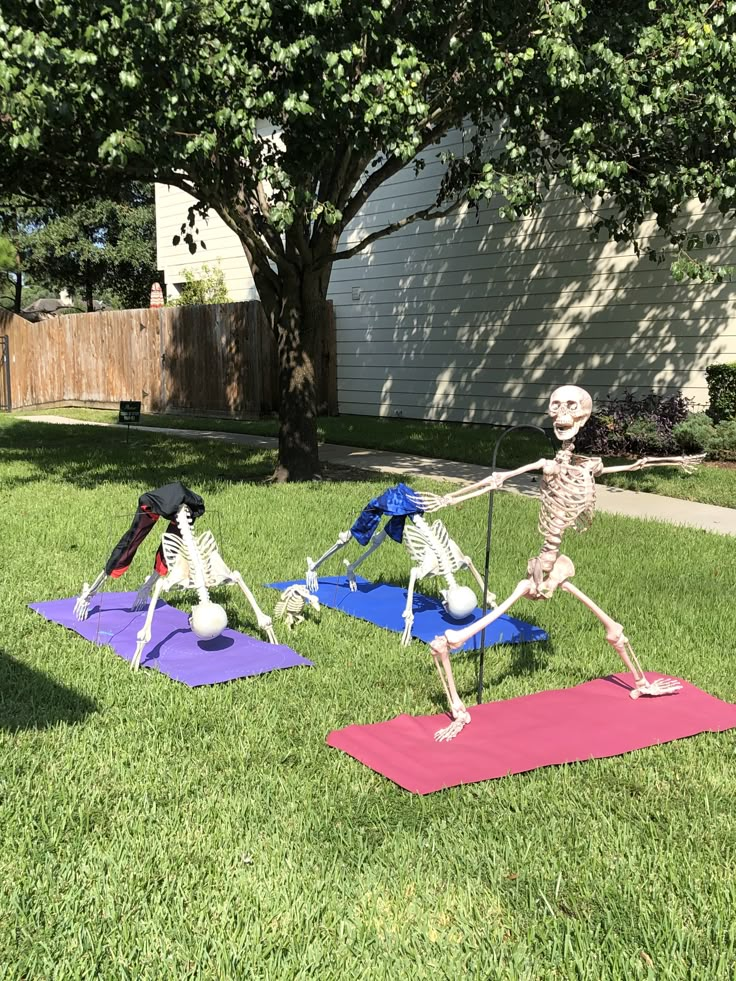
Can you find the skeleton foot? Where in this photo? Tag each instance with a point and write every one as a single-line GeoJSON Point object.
{"type": "Point", "coordinates": [143, 638]}
{"type": "Point", "coordinates": [455, 727]}
{"type": "Point", "coordinates": [440, 649]}
{"type": "Point", "coordinates": [662, 686]}
{"type": "Point", "coordinates": [312, 583]}
{"type": "Point", "coordinates": [144, 593]}
{"type": "Point", "coordinates": [408, 624]}
{"type": "Point", "coordinates": [350, 573]}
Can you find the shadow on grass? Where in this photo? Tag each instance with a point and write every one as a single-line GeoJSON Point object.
{"type": "Point", "coordinates": [32, 700]}
{"type": "Point", "coordinates": [89, 457]}
{"type": "Point", "coordinates": [525, 659]}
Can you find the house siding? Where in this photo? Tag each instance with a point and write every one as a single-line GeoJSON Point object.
{"type": "Point", "coordinates": [474, 319]}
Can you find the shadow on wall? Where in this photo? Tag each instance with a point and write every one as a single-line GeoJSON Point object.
{"type": "Point", "coordinates": [478, 321]}
{"type": "Point", "coordinates": [32, 700]}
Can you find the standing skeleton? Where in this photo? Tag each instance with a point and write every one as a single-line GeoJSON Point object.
{"type": "Point", "coordinates": [567, 500]}
{"type": "Point", "coordinates": [432, 551]}
{"type": "Point", "coordinates": [183, 561]}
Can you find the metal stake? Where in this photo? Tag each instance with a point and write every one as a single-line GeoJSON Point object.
{"type": "Point", "coordinates": [511, 429]}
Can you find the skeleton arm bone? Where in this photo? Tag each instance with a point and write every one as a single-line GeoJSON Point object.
{"type": "Point", "coordinates": [311, 578]}
{"type": "Point", "coordinates": [144, 634]}
{"type": "Point", "coordinates": [350, 567]}
{"type": "Point", "coordinates": [688, 463]}
{"type": "Point", "coordinates": [264, 622]}
{"type": "Point", "coordinates": [433, 502]}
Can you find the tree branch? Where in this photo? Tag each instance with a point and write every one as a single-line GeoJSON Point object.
{"type": "Point", "coordinates": [426, 214]}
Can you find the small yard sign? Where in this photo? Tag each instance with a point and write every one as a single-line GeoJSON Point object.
{"type": "Point", "coordinates": [129, 412]}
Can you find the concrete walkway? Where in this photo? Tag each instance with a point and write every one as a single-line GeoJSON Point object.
{"type": "Point", "coordinates": [709, 517]}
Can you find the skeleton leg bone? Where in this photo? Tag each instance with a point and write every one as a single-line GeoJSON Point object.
{"type": "Point", "coordinates": [144, 634]}
{"type": "Point", "coordinates": [264, 622]}
{"type": "Point", "coordinates": [408, 613]}
{"type": "Point", "coordinates": [452, 640]}
{"type": "Point", "coordinates": [616, 638]}
{"type": "Point", "coordinates": [311, 578]}
{"type": "Point", "coordinates": [350, 567]}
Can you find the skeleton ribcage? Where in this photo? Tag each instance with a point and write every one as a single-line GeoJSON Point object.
{"type": "Point", "coordinates": [175, 547]}
{"type": "Point", "coordinates": [291, 603]}
{"type": "Point", "coordinates": [567, 501]}
{"type": "Point", "coordinates": [424, 540]}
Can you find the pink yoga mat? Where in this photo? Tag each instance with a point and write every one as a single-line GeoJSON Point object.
{"type": "Point", "coordinates": [592, 720]}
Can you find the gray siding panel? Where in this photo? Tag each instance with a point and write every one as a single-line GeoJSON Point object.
{"type": "Point", "coordinates": [477, 319]}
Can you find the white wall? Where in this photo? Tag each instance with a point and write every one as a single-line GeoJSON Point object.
{"type": "Point", "coordinates": [222, 246]}
{"type": "Point", "coordinates": [474, 319]}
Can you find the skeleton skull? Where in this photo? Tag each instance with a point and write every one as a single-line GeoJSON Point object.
{"type": "Point", "coordinates": [570, 408]}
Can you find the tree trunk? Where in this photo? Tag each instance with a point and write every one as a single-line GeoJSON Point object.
{"type": "Point", "coordinates": [89, 297]}
{"type": "Point", "coordinates": [301, 316]}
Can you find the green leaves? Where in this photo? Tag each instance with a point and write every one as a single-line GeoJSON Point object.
{"type": "Point", "coordinates": [632, 102]}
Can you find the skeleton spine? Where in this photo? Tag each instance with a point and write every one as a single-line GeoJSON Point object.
{"type": "Point", "coordinates": [565, 498]}
{"type": "Point", "coordinates": [184, 522]}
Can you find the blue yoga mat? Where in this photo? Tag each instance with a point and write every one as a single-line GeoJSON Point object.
{"type": "Point", "coordinates": [383, 605]}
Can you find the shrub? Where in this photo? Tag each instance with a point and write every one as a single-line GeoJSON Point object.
{"type": "Point", "coordinates": [631, 425]}
{"type": "Point", "coordinates": [206, 287]}
{"type": "Point", "coordinates": [722, 444]}
{"type": "Point", "coordinates": [694, 434]}
{"type": "Point", "coordinates": [721, 380]}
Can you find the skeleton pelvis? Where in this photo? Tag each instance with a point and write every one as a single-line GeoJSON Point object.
{"type": "Point", "coordinates": [546, 576]}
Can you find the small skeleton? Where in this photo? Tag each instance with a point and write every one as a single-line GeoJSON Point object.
{"type": "Point", "coordinates": [567, 500]}
{"type": "Point", "coordinates": [432, 551]}
{"type": "Point", "coordinates": [292, 601]}
{"type": "Point", "coordinates": [183, 561]}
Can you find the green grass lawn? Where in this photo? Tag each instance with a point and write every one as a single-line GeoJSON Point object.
{"type": "Point", "coordinates": [711, 484]}
{"type": "Point", "coordinates": [152, 831]}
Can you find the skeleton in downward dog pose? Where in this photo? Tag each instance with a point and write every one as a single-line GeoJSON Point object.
{"type": "Point", "coordinates": [183, 561]}
{"type": "Point", "coordinates": [432, 550]}
{"type": "Point", "coordinates": [567, 500]}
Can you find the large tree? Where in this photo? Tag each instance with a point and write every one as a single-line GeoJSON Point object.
{"type": "Point", "coordinates": [101, 245]}
{"type": "Point", "coordinates": [630, 104]}
{"type": "Point", "coordinates": [89, 247]}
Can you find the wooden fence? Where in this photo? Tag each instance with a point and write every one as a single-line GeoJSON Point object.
{"type": "Point", "coordinates": [218, 360]}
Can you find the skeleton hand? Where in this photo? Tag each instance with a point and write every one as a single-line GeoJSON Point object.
{"type": "Point", "coordinates": [690, 463]}
{"type": "Point", "coordinates": [491, 600]}
{"type": "Point", "coordinates": [311, 580]}
{"type": "Point", "coordinates": [266, 625]}
{"type": "Point", "coordinates": [429, 503]}
{"type": "Point", "coordinates": [81, 607]}
{"type": "Point", "coordinates": [662, 686]}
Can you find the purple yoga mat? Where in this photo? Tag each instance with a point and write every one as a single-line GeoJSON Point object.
{"type": "Point", "coordinates": [592, 720]}
{"type": "Point", "coordinates": [174, 649]}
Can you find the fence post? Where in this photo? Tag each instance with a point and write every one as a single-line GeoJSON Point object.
{"type": "Point", "coordinates": [162, 352]}
{"type": "Point", "coordinates": [7, 401]}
